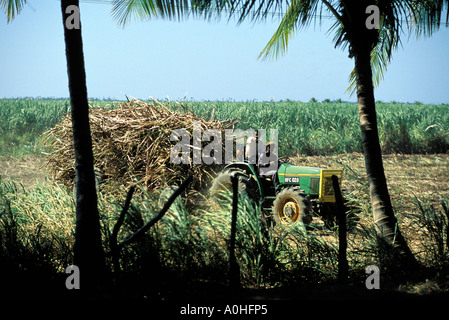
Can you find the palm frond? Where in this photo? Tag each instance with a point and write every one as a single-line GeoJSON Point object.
{"type": "Point", "coordinates": [254, 10]}
{"type": "Point", "coordinates": [125, 10]}
{"type": "Point", "coordinates": [11, 8]}
{"type": "Point", "coordinates": [428, 16]}
{"type": "Point", "coordinates": [279, 41]}
{"type": "Point", "coordinates": [300, 13]}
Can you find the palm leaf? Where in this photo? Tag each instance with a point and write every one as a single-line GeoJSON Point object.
{"type": "Point", "coordinates": [124, 10]}
{"type": "Point", "coordinates": [279, 41]}
{"type": "Point", "coordinates": [299, 14]}
{"type": "Point", "coordinates": [11, 8]}
{"type": "Point", "coordinates": [255, 10]}
{"type": "Point", "coordinates": [428, 16]}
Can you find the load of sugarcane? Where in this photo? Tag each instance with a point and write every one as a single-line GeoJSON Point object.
{"type": "Point", "coordinates": [131, 145]}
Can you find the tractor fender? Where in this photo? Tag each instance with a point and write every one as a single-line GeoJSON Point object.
{"type": "Point", "coordinates": [249, 169]}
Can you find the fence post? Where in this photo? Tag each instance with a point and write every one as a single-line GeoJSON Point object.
{"type": "Point", "coordinates": [342, 241]}
{"type": "Point", "coordinates": [234, 269]}
{"type": "Point", "coordinates": [446, 211]}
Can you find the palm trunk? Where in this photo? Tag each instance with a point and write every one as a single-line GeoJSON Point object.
{"type": "Point", "coordinates": [88, 251]}
{"type": "Point", "coordinates": [385, 221]}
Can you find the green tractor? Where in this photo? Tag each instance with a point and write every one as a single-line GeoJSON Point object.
{"type": "Point", "coordinates": [302, 192]}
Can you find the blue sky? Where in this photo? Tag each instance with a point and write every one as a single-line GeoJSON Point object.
{"type": "Point", "coordinates": [202, 60]}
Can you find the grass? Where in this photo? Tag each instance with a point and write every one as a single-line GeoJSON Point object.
{"type": "Point", "coordinates": [34, 229]}
{"type": "Point", "coordinates": [432, 224]}
{"type": "Point", "coordinates": [22, 121]}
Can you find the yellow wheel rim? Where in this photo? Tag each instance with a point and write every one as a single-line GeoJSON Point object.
{"type": "Point", "coordinates": [290, 210]}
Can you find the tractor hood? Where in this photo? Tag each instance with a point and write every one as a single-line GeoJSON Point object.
{"type": "Point", "coordinates": [313, 181]}
{"type": "Point", "coordinates": [308, 178]}
{"type": "Point", "coordinates": [289, 169]}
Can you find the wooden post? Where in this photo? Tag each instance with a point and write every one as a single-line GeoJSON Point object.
{"type": "Point", "coordinates": [234, 270]}
{"type": "Point", "coordinates": [342, 241]}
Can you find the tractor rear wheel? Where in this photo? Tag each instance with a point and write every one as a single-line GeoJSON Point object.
{"type": "Point", "coordinates": [223, 183]}
{"type": "Point", "coordinates": [289, 207]}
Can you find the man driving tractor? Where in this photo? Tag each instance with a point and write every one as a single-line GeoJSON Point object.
{"type": "Point", "coordinates": [268, 163]}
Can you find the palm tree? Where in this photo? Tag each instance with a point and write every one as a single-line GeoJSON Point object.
{"type": "Point", "coordinates": [88, 250]}
{"type": "Point", "coordinates": [371, 49]}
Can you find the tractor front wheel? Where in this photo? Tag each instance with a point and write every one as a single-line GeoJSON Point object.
{"type": "Point", "coordinates": [289, 207]}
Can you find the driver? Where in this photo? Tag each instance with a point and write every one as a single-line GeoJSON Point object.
{"type": "Point", "coordinates": [251, 150]}
{"type": "Point", "coordinates": [268, 163]}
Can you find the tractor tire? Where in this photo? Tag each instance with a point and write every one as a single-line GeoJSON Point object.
{"type": "Point", "coordinates": [289, 207]}
{"type": "Point", "coordinates": [223, 183]}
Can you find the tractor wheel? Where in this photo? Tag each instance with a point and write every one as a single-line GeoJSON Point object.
{"type": "Point", "coordinates": [223, 183]}
{"type": "Point", "coordinates": [289, 207]}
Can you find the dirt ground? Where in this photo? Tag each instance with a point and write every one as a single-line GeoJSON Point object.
{"type": "Point", "coordinates": [426, 176]}
{"type": "Point", "coordinates": [27, 170]}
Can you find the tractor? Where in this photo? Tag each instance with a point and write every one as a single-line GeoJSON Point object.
{"type": "Point", "coordinates": [302, 192]}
